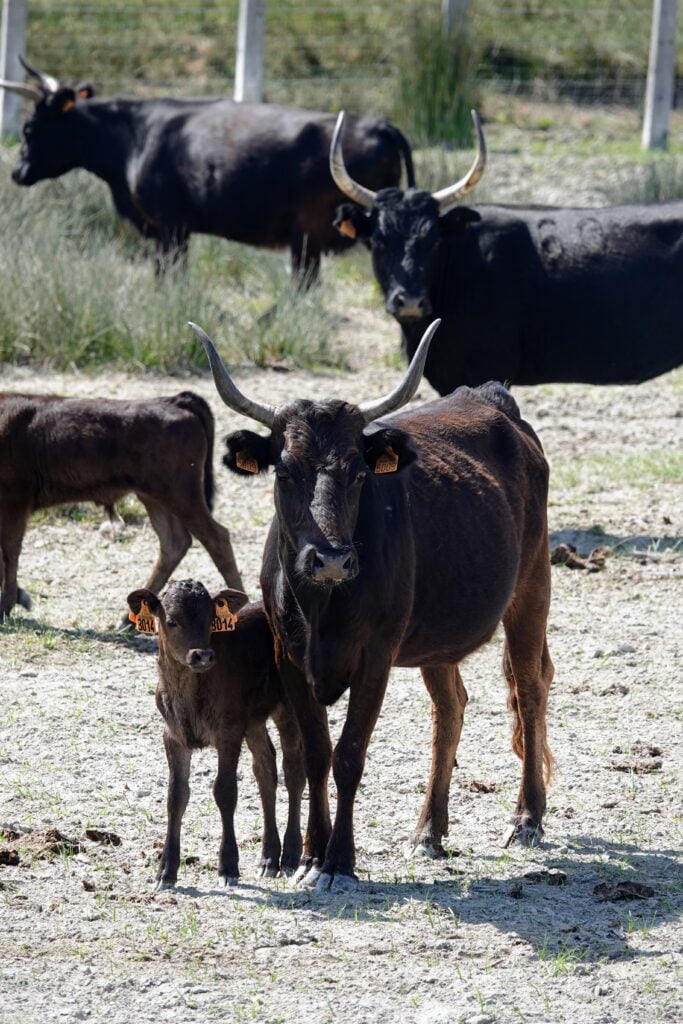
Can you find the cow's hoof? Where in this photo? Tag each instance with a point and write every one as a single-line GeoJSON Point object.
{"type": "Point", "coordinates": [164, 884]}
{"type": "Point", "coordinates": [225, 881]}
{"type": "Point", "coordinates": [268, 870]}
{"type": "Point", "coordinates": [24, 599]}
{"type": "Point", "coordinates": [525, 834]}
{"type": "Point", "coordinates": [336, 884]}
{"type": "Point", "coordinates": [424, 848]}
{"type": "Point", "coordinates": [288, 871]}
{"type": "Point", "coordinates": [307, 877]}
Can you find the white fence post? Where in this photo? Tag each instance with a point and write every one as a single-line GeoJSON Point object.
{"type": "Point", "coordinates": [249, 63]}
{"type": "Point", "coordinates": [12, 44]}
{"type": "Point", "coordinates": [660, 75]}
{"type": "Point", "coordinates": [453, 13]}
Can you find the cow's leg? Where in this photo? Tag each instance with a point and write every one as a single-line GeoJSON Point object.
{"type": "Point", "coordinates": [12, 530]}
{"type": "Point", "coordinates": [365, 702]}
{"type": "Point", "coordinates": [295, 780]}
{"type": "Point", "coordinates": [225, 795]}
{"type": "Point", "coordinates": [311, 718]}
{"type": "Point", "coordinates": [305, 262]}
{"type": "Point", "coordinates": [529, 670]}
{"type": "Point", "coordinates": [215, 538]}
{"type": "Point", "coordinates": [171, 251]}
{"type": "Point", "coordinates": [449, 698]}
{"type": "Point", "coordinates": [265, 773]}
{"type": "Point", "coordinates": [179, 759]}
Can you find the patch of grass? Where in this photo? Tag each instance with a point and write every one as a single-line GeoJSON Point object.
{"type": "Point", "coordinates": [653, 181]}
{"type": "Point", "coordinates": [640, 469]}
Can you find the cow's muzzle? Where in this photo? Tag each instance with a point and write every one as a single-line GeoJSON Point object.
{"type": "Point", "coordinates": [408, 307]}
{"type": "Point", "coordinates": [330, 565]}
{"type": "Point", "coordinates": [21, 174]}
{"type": "Point", "coordinates": [200, 659]}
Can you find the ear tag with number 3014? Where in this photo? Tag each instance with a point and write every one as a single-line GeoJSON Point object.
{"type": "Point", "coordinates": [387, 462]}
{"type": "Point", "coordinates": [144, 620]}
{"type": "Point", "coordinates": [223, 621]}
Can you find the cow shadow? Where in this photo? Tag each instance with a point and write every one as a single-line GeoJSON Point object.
{"type": "Point", "coordinates": [584, 541]}
{"type": "Point", "coordinates": [127, 638]}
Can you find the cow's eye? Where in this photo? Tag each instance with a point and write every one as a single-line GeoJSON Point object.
{"type": "Point", "coordinates": [360, 476]}
{"type": "Point", "coordinates": [171, 623]}
{"type": "Point", "coordinates": [281, 473]}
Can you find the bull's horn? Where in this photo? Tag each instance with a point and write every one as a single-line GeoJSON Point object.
{"type": "Point", "coordinates": [361, 195]}
{"type": "Point", "coordinates": [48, 82]}
{"type": "Point", "coordinates": [408, 386]}
{"type": "Point", "coordinates": [29, 92]}
{"type": "Point", "coordinates": [227, 388]}
{"type": "Point", "coordinates": [447, 197]}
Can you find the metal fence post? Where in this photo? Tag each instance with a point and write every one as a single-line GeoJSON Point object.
{"type": "Point", "coordinates": [660, 75]}
{"type": "Point", "coordinates": [249, 63]}
{"type": "Point", "coordinates": [12, 40]}
{"type": "Point", "coordinates": [453, 13]}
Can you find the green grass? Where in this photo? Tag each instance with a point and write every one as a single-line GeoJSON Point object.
{"type": "Point", "coordinates": [652, 181]}
{"type": "Point", "coordinates": [640, 469]}
{"type": "Point", "coordinates": [79, 290]}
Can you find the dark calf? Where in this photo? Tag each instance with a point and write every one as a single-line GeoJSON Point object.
{"type": "Point", "coordinates": [217, 686]}
{"type": "Point", "coordinates": [56, 450]}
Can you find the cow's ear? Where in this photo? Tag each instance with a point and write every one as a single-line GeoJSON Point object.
{"type": "Point", "coordinates": [145, 607]}
{"type": "Point", "coordinates": [458, 219]}
{"type": "Point", "coordinates": [388, 450]}
{"type": "Point", "coordinates": [85, 91]}
{"type": "Point", "coordinates": [247, 453]}
{"type": "Point", "coordinates": [62, 101]}
{"type": "Point", "coordinates": [352, 221]}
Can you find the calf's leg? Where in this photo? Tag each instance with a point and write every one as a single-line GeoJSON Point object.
{"type": "Point", "coordinates": [265, 773]}
{"type": "Point", "coordinates": [449, 698]}
{"type": "Point", "coordinates": [179, 759]}
{"type": "Point", "coordinates": [295, 780]}
{"type": "Point", "coordinates": [225, 795]}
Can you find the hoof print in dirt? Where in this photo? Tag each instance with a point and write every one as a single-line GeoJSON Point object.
{"type": "Point", "coordinates": [623, 891]}
{"type": "Point", "coordinates": [552, 877]}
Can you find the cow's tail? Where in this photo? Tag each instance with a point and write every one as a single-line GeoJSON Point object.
{"type": "Point", "coordinates": [497, 394]}
{"type": "Point", "coordinates": [193, 403]}
{"type": "Point", "coordinates": [404, 148]}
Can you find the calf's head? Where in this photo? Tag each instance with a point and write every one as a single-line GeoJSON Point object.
{"type": "Point", "coordinates": [50, 133]}
{"type": "Point", "coordinates": [403, 230]}
{"type": "Point", "coordinates": [324, 454]}
{"type": "Point", "coordinates": [185, 617]}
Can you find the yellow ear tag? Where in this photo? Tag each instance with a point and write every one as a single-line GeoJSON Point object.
{"type": "Point", "coordinates": [67, 105]}
{"type": "Point", "coordinates": [346, 227]}
{"type": "Point", "coordinates": [224, 621]}
{"type": "Point", "coordinates": [244, 462]}
{"type": "Point", "coordinates": [387, 462]}
{"type": "Point", "coordinates": [144, 620]}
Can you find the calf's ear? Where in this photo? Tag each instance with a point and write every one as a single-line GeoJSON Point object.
{"type": "Point", "coordinates": [247, 453]}
{"type": "Point", "coordinates": [388, 450]}
{"type": "Point", "coordinates": [145, 606]}
{"type": "Point", "coordinates": [62, 101]}
{"type": "Point", "coordinates": [235, 599]}
{"type": "Point", "coordinates": [352, 221]}
{"type": "Point", "coordinates": [226, 604]}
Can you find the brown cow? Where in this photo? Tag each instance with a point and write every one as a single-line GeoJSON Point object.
{"type": "Point", "coordinates": [55, 450]}
{"type": "Point", "coordinates": [217, 686]}
{"type": "Point", "coordinates": [401, 540]}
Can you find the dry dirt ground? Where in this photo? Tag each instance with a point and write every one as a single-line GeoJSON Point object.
{"type": "Point", "coordinates": [487, 935]}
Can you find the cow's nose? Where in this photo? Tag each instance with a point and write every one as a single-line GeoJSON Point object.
{"type": "Point", "coordinates": [408, 307]}
{"type": "Point", "coordinates": [333, 565]}
{"type": "Point", "coordinates": [200, 659]}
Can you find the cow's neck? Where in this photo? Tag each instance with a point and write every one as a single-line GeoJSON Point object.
{"type": "Point", "coordinates": [107, 141]}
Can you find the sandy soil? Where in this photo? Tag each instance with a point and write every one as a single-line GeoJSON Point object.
{"type": "Point", "coordinates": [489, 934]}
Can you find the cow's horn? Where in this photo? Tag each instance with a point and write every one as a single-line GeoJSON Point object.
{"type": "Point", "coordinates": [48, 82]}
{"type": "Point", "coordinates": [447, 197]}
{"type": "Point", "coordinates": [408, 386]}
{"type": "Point", "coordinates": [227, 388]}
{"type": "Point", "coordinates": [361, 195]}
{"type": "Point", "coordinates": [29, 92]}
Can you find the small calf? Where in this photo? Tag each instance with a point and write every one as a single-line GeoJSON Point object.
{"type": "Point", "coordinates": [217, 685]}
{"type": "Point", "coordinates": [55, 450]}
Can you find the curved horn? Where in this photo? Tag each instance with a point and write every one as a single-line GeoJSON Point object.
{"type": "Point", "coordinates": [227, 388]}
{"type": "Point", "coordinates": [408, 386]}
{"type": "Point", "coordinates": [447, 197]}
{"type": "Point", "coordinates": [361, 195]}
{"type": "Point", "coordinates": [48, 82]}
{"type": "Point", "coordinates": [29, 92]}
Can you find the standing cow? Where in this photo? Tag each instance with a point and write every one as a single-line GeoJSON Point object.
{"type": "Point", "coordinates": [251, 172]}
{"type": "Point", "coordinates": [530, 295]}
{"type": "Point", "coordinates": [401, 540]}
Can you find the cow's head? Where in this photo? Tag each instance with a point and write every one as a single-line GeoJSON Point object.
{"type": "Point", "coordinates": [45, 151]}
{"type": "Point", "coordinates": [185, 618]}
{"type": "Point", "coordinates": [403, 229]}
{"type": "Point", "coordinates": [324, 454]}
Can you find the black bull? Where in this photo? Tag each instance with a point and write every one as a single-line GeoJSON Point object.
{"type": "Point", "coordinates": [401, 541]}
{"type": "Point", "coordinates": [254, 173]}
{"type": "Point", "coordinates": [529, 295]}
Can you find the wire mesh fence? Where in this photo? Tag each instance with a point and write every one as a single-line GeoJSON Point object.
{"type": "Point", "coordinates": [325, 53]}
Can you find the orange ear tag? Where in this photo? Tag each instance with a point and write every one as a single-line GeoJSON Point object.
{"type": "Point", "coordinates": [144, 620]}
{"type": "Point", "coordinates": [387, 462]}
{"type": "Point", "coordinates": [224, 621]}
{"type": "Point", "coordinates": [67, 105]}
{"type": "Point", "coordinates": [347, 228]}
{"type": "Point", "coordinates": [243, 461]}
